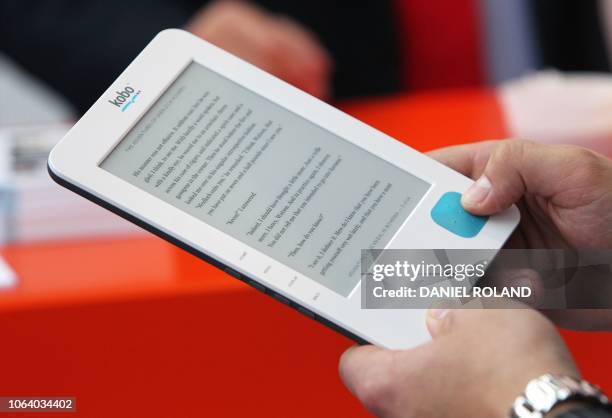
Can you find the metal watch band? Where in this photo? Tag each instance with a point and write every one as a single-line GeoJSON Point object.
{"type": "Point", "coordinates": [545, 392]}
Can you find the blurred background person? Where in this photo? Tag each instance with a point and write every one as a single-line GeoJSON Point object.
{"type": "Point", "coordinates": [485, 42]}
{"type": "Point", "coordinates": [59, 56]}
{"type": "Point", "coordinates": [537, 57]}
{"type": "Point", "coordinates": [332, 50]}
{"type": "Point", "coordinates": [344, 47]}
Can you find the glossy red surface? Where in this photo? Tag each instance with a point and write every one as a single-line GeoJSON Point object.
{"type": "Point", "coordinates": [134, 327]}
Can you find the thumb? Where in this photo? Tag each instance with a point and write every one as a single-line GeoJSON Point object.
{"type": "Point", "coordinates": [439, 321]}
{"type": "Point", "coordinates": [514, 168]}
{"type": "Point", "coordinates": [366, 371]}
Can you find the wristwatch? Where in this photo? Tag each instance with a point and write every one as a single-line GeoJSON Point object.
{"type": "Point", "coordinates": [547, 391]}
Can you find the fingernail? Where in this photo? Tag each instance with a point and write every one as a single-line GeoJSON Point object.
{"type": "Point", "coordinates": [477, 193]}
{"type": "Point", "coordinates": [437, 314]}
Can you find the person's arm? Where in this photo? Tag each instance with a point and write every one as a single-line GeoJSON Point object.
{"type": "Point", "coordinates": [79, 48]}
{"type": "Point", "coordinates": [476, 365]}
{"type": "Point", "coordinates": [564, 194]}
{"type": "Point", "coordinates": [273, 42]}
{"type": "Point", "coordinates": [479, 361]}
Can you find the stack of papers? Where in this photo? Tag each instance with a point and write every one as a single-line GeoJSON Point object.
{"type": "Point", "coordinates": [32, 206]}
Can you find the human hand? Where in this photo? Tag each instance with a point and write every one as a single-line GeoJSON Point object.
{"type": "Point", "coordinates": [564, 192]}
{"type": "Point", "coordinates": [273, 43]}
{"type": "Point", "coordinates": [476, 365]}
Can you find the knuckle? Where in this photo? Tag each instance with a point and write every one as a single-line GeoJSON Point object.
{"type": "Point", "coordinates": [585, 166]}
{"type": "Point", "coordinates": [378, 393]}
{"type": "Point", "coordinates": [224, 12]}
{"type": "Point", "coordinates": [515, 149]}
{"type": "Point", "coordinates": [375, 395]}
{"type": "Point", "coordinates": [587, 159]}
{"type": "Point", "coordinates": [504, 150]}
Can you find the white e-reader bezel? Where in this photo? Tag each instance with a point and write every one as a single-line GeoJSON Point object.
{"type": "Point", "coordinates": [75, 163]}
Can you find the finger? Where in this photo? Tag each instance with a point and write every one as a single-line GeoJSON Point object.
{"type": "Point", "coordinates": [356, 363]}
{"type": "Point", "coordinates": [302, 61]}
{"type": "Point", "coordinates": [514, 278]}
{"type": "Point", "coordinates": [288, 65]}
{"type": "Point", "coordinates": [468, 159]}
{"type": "Point", "coordinates": [439, 321]}
{"type": "Point", "coordinates": [516, 167]}
{"type": "Point", "coordinates": [316, 56]}
{"type": "Point", "coordinates": [379, 377]}
{"type": "Point", "coordinates": [364, 368]}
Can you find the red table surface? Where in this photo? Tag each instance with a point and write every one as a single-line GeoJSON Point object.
{"type": "Point", "coordinates": [134, 327]}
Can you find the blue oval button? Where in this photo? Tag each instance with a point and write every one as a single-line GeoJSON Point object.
{"type": "Point", "coordinates": [450, 215]}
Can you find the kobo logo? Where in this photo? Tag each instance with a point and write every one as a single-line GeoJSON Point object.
{"type": "Point", "coordinates": [125, 98]}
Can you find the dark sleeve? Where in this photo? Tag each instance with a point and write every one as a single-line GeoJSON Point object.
{"type": "Point", "coordinates": [80, 47]}
{"type": "Point", "coordinates": [586, 412]}
{"type": "Point", "coordinates": [570, 35]}
{"type": "Point", "coordinates": [361, 35]}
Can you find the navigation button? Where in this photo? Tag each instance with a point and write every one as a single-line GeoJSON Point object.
{"type": "Point", "coordinates": [450, 215]}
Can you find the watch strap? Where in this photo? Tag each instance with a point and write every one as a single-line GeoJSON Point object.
{"type": "Point", "coordinates": [542, 394]}
{"type": "Point", "coordinates": [586, 411]}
